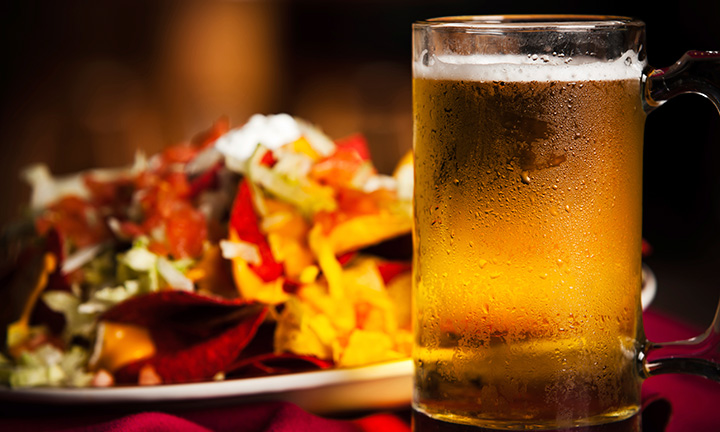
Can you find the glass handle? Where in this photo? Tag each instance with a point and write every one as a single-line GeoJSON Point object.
{"type": "Point", "coordinates": [698, 356]}
{"type": "Point", "coordinates": [696, 72]}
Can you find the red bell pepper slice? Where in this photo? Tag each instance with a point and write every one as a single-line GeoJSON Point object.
{"type": "Point", "coordinates": [389, 269]}
{"type": "Point", "coordinates": [244, 221]}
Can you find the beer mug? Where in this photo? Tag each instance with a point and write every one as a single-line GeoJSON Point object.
{"type": "Point", "coordinates": [528, 146]}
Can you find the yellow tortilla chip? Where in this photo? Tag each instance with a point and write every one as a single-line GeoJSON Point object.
{"type": "Point", "coordinates": [301, 330]}
{"type": "Point", "coordinates": [367, 230]}
{"type": "Point", "coordinates": [250, 286]}
{"type": "Point", "coordinates": [366, 347]}
{"type": "Point", "coordinates": [331, 268]}
{"type": "Point", "coordinates": [399, 291]}
{"type": "Point", "coordinates": [20, 331]}
{"type": "Point", "coordinates": [119, 344]}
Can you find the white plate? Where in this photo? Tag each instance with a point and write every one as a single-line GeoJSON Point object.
{"type": "Point", "coordinates": [385, 385]}
{"type": "Point", "coordinates": [379, 386]}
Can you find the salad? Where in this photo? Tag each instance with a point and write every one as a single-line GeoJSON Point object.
{"type": "Point", "coordinates": [264, 249]}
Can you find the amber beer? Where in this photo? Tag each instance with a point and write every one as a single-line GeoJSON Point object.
{"type": "Point", "coordinates": [527, 242]}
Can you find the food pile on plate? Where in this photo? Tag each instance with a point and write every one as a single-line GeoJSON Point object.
{"type": "Point", "coordinates": [259, 250]}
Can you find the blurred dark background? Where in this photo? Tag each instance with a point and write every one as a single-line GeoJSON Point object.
{"type": "Point", "coordinates": [84, 84]}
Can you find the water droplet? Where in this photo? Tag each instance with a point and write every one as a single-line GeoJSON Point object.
{"type": "Point", "coordinates": [525, 177]}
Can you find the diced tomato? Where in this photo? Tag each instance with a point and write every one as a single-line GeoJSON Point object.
{"type": "Point", "coordinates": [77, 221]}
{"type": "Point", "coordinates": [338, 169]}
{"type": "Point", "coordinates": [114, 193]}
{"type": "Point", "coordinates": [182, 153]}
{"type": "Point", "coordinates": [207, 138]}
{"type": "Point", "coordinates": [268, 159]}
{"type": "Point", "coordinates": [357, 143]}
{"type": "Point", "coordinates": [186, 231]}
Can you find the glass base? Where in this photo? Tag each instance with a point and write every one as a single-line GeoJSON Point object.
{"type": "Point", "coordinates": [424, 423]}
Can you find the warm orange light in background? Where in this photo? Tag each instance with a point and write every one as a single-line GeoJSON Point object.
{"type": "Point", "coordinates": [219, 58]}
{"type": "Point", "coordinates": [103, 81]}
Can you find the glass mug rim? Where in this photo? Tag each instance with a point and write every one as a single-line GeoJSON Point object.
{"type": "Point", "coordinates": [530, 23]}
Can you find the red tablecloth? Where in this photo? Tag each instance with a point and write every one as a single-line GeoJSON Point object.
{"type": "Point", "coordinates": [694, 406]}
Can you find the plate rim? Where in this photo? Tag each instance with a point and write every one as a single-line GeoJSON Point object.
{"type": "Point", "coordinates": [239, 387]}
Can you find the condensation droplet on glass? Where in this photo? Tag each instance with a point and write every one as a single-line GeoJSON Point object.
{"type": "Point", "coordinates": [525, 177]}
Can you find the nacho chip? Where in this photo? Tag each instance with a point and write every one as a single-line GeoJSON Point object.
{"type": "Point", "coordinates": [195, 337]}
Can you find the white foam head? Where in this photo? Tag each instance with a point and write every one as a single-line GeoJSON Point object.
{"type": "Point", "coordinates": [518, 68]}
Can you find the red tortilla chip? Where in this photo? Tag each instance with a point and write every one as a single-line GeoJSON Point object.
{"type": "Point", "coordinates": [276, 364]}
{"type": "Point", "coordinates": [195, 336]}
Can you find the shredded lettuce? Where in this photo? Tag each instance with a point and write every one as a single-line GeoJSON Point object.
{"type": "Point", "coordinates": [151, 271]}
{"type": "Point", "coordinates": [288, 184]}
{"type": "Point", "coordinates": [49, 366]}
